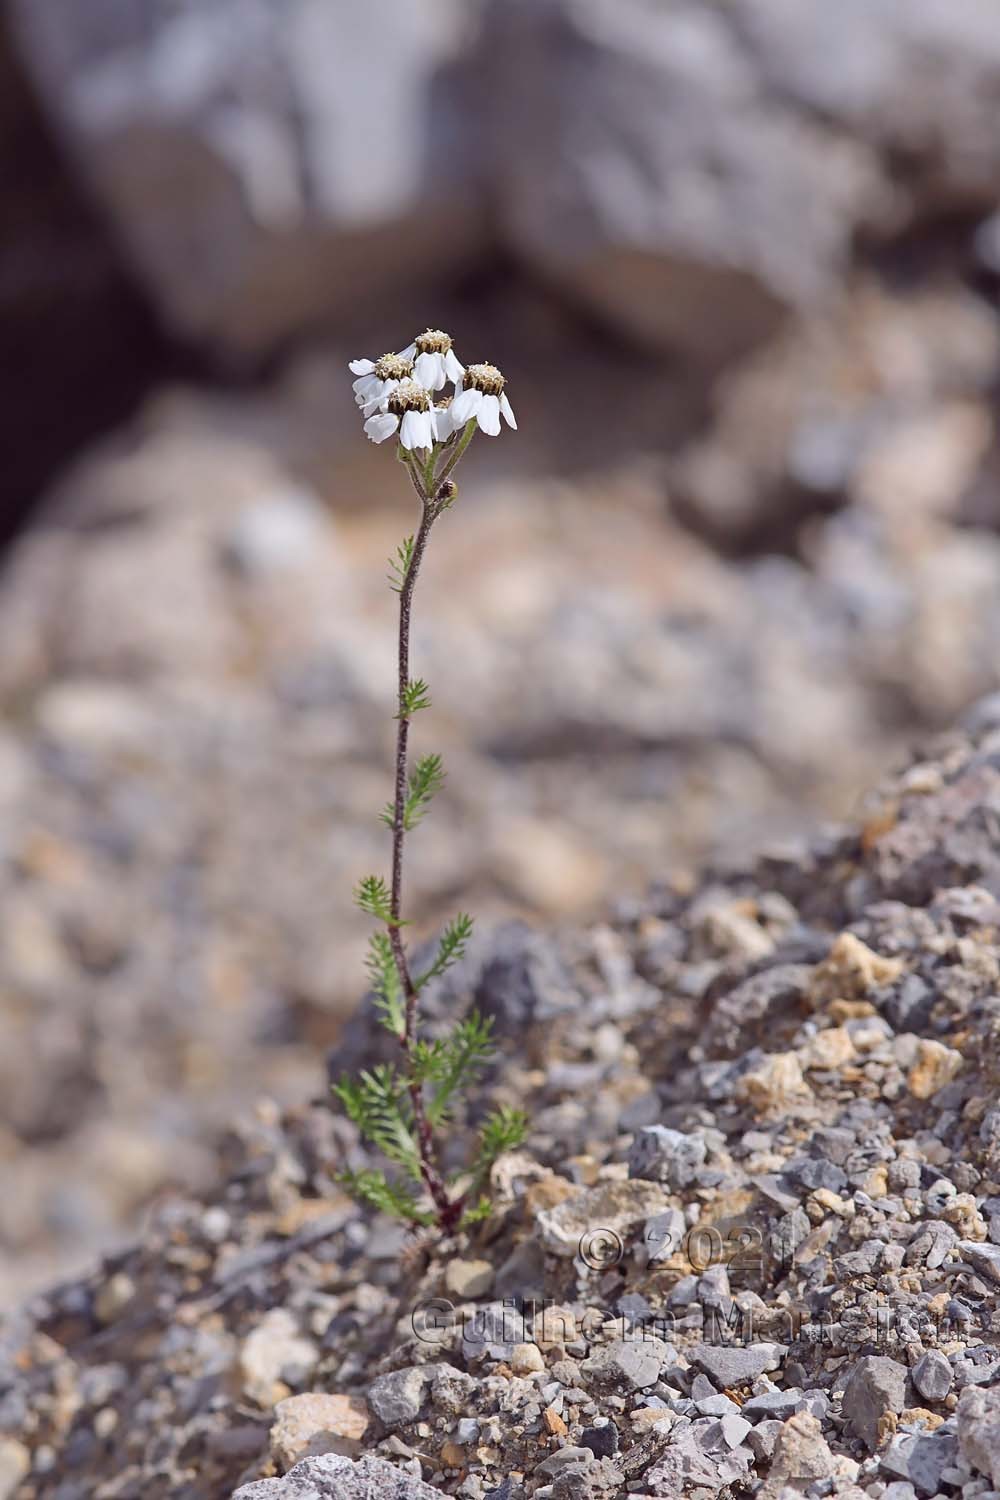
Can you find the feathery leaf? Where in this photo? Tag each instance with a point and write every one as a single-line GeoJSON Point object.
{"type": "Point", "coordinates": [416, 695]}
{"type": "Point", "coordinates": [454, 942]}
{"type": "Point", "coordinates": [394, 1198]}
{"type": "Point", "coordinates": [399, 564]}
{"type": "Point", "coordinates": [454, 1062]}
{"type": "Point", "coordinates": [384, 978]}
{"type": "Point", "coordinates": [426, 778]}
{"type": "Point", "coordinates": [378, 1104]}
{"type": "Point", "coordinates": [372, 895]}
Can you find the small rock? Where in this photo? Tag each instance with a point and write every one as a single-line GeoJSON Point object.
{"type": "Point", "coordinates": [984, 1257]}
{"type": "Point", "coordinates": [935, 1066]}
{"type": "Point", "coordinates": [932, 1375]}
{"type": "Point", "coordinates": [114, 1296]}
{"type": "Point", "coordinates": [773, 1404]}
{"type": "Point", "coordinates": [468, 1279]}
{"type": "Point", "coordinates": [629, 1364]}
{"type": "Point", "coordinates": [979, 1430]}
{"type": "Point", "coordinates": [15, 1463]}
{"type": "Point", "coordinates": [735, 1365]}
{"type": "Point", "coordinates": [773, 1084]}
{"type": "Point", "coordinates": [734, 1429]}
{"type": "Point", "coordinates": [658, 1154]}
{"type": "Point", "coordinates": [333, 1477]}
{"type": "Point", "coordinates": [273, 1350]}
{"type": "Point", "coordinates": [453, 1456]}
{"type": "Point", "coordinates": [876, 1386]}
{"type": "Point", "coordinates": [399, 1397]}
{"type": "Point", "coordinates": [602, 1440]}
{"type": "Point", "coordinates": [562, 1459]}
{"type": "Point", "coordinates": [526, 1359]}
{"type": "Point", "coordinates": [851, 970]}
{"type": "Point", "coordinates": [801, 1453]}
{"type": "Point", "coordinates": [596, 1218]}
{"type": "Point", "coordinates": [921, 1458]}
{"type": "Point", "coordinates": [314, 1423]}
{"type": "Point", "coordinates": [555, 1424]}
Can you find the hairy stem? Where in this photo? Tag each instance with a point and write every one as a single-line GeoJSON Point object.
{"type": "Point", "coordinates": [446, 1210]}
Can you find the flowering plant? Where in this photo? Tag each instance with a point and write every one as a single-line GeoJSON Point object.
{"type": "Point", "coordinates": [400, 1108]}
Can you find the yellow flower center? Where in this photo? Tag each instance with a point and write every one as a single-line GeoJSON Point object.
{"type": "Point", "coordinates": [433, 342]}
{"type": "Point", "coordinates": [485, 378]}
{"type": "Point", "coordinates": [393, 367]}
{"type": "Point", "coordinates": [408, 396]}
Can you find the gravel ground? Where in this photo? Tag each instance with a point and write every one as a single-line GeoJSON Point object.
{"type": "Point", "coordinates": [752, 1244]}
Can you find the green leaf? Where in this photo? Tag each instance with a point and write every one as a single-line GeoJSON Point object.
{"type": "Point", "coordinates": [454, 1063]}
{"type": "Point", "coordinates": [454, 942]}
{"type": "Point", "coordinates": [416, 696]}
{"type": "Point", "coordinates": [426, 778]}
{"type": "Point", "coordinates": [399, 564]}
{"type": "Point", "coordinates": [384, 978]}
{"type": "Point", "coordinates": [394, 1198]}
{"type": "Point", "coordinates": [372, 895]}
{"type": "Point", "coordinates": [502, 1130]}
{"type": "Point", "coordinates": [380, 1107]}
{"type": "Point", "coordinates": [476, 1213]}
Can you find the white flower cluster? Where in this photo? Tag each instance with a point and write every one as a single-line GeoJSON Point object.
{"type": "Point", "coordinates": [398, 393]}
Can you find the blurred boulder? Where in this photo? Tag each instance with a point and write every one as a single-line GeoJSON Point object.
{"type": "Point", "coordinates": [692, 172]}
{"type": "Point", "coordinates": [657, 176]}
{"type": "Point", "coordinates": [689, 173]}
{"type": "Point", "coordinates": [267, 164]}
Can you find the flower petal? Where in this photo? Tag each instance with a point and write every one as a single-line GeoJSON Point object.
{"type": "Point", "coordinates": [381, 426]}
{"type": "Point", "coordinates": [452, 368]}
{"type": "Point", "coordinates": [444, 423]}
{"type": "Point", "coordinates": [408, 352]}
{"type": "Point", "coordinates": [417, 430]}
{"type": "Point", "coordinates": [507, 411]}
{"type": "Point", "coordinates": [428, 371]}
{"type": "Point", "coordinates": [489, 415]}
{"type": "Point", "coordinates": [361, 366]}
{"type": "Point", "coordinates": [364, 387]}
{"type": "Point", "coordinates": [465, 406]}
{"type": "Point", "coordinates": [379, 399]}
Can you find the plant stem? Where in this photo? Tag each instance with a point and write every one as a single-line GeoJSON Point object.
{"type": "Point", "coordinates": [446, 1210]}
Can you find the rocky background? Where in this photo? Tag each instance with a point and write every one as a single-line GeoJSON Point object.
{"type": "Point", "coordinates": [750, 1247]}
{"type": "Point", "coordinates": [740, 264]}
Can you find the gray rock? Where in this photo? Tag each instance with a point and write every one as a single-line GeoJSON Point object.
{"type": "Point", "coordinates": [921, 1458]}
{"type": "Point", "coordinates": [762, 1439]}
{"type": "Point", "coordinates": [978, 1429]}
{"type": "Point", "coordinates": [628, 1363]}
{"type": "Point", "coordinates": [697, 1456]}
{"type": "Point", "coordinates": [282, 150]}
{"type": "Point", "coordinates": [733, 1365]}
{"type": "Point", "coordinates": [331, 1477]}
{"type": "Point", "coordinates": [400, 1396]}
{"type": "Point", "coordinates": [776, 1404]}
{"type": "Point", "coordinates": [983, 1256]}
{"type": "Point", "coordinates": [875, 1386]}
{"type": "Point", "coordinates": [932, 1375]}
{"type": "Point", "coordinates": [596, 1222]}
{"type": "Point", "coordinates": [655, 178]}
{"type": "Point", "coordinates": [668, 1156]}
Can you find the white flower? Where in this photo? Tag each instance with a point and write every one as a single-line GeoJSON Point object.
{"type": "Point", "coordinates": [482, 397]}
{"type": "Point", "coordinates": [434, 362]}
{"type": "Point", "coordinates": [377, 379]}
{"type": "Point", "coordinates": [408, 410]}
